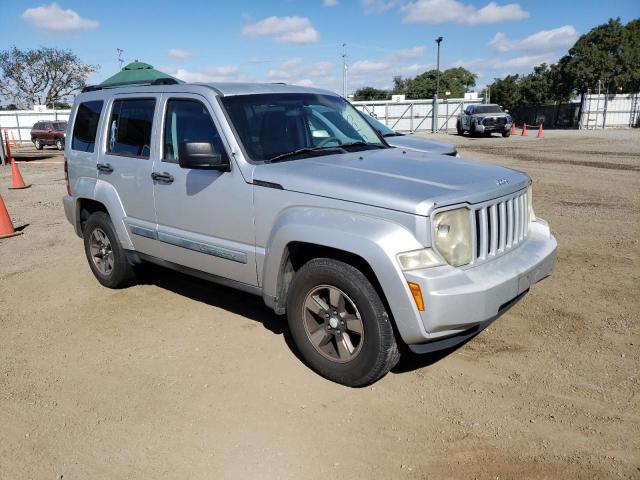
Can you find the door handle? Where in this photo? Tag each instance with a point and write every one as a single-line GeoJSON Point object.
{"type": "Point", "coordinates": [104, 167]}
{"type": "Point", "coordinates": [164, 177]}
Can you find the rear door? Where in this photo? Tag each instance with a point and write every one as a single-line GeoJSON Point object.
{"type": "Point", "coordinates": [127, 162]}
{"type": "Point", "coordinates": [205, 217]}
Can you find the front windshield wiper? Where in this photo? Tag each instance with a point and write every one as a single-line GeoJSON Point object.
{"type": "Point", "coordinates": [361, 144]}
{"type": "Point", "coordinates": [394, 134]}
{"type": "Point", "coordinates": [300, 151]}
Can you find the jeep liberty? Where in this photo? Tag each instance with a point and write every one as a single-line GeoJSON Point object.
{"type": "Point", "coordinates": [288, 193]}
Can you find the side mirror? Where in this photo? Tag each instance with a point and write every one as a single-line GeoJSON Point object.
{"type": "Point", "coordinates": [506, 111]}
{"type": "Point", "coordinates": [201, 155]}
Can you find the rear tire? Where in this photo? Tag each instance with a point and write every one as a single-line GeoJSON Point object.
{"type": "Point", "coordinates": [339, 323]}
{"type": "Point", "coordinates": [59, 144]}
{"type": "Point", "coordinates": [106, 257]}
{"type": "Point", "coordinates": [38, 144]}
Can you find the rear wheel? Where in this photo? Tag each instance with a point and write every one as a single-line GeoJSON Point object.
{"type": "Point", "coordinates": [38, 144]}
{"type": "Point", "coordinates": [59, 144]}
{"type": "Point", "coordinates": [339, 323]}
{"type": "Point", "coordinates": [105, 255]}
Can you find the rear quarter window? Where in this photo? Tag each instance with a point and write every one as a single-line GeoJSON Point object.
{"type": "Point", "coordinates": [85, 126]}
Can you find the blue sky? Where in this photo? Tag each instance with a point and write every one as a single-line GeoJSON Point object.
{"type": "Point", "coordinates": [299, 41]}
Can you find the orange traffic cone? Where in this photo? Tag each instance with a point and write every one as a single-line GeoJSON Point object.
{"type": "Point", "coordinates": [17, 182]}
{"type": "Point", "coordinates": [6, 227]}
{"type": "Point", "coordinates": [513, 128]}
{"type": "Point", "coordinates": [524, 130]}
{"type": "Point", "coordinates": [540, 131]}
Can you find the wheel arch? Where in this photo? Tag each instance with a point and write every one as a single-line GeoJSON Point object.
{"type": "Point", "coordinates": [367, 243]}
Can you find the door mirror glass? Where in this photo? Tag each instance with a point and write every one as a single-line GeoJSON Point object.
{"type": "Point", "coordinates": [201, 155]}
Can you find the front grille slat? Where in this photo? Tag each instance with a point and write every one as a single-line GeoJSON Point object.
{"type": "Point", "coordinates": [483, 233]}
{"type": "Point", "coordinates": [503, 226]}
{"type": "Point", "coordinates": [493, 230]}
{"type": "Point", "coordinates": [500, 226]}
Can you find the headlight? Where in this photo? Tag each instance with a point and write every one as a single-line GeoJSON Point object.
{"type": "Point", "coordinates": [532, 214]}
{"type": "Point", "coordinates": [452, 235]}
{"type": "Point", "coordinates": [416, 259]}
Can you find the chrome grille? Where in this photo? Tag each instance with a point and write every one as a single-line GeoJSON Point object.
{"type": "Point", "coordinates": [494, 121]}
{"type": "Point", "coordinates": [500, 225]}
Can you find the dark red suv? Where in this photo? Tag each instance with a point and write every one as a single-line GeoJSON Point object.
{"type": "Point", "coordinates": [49, 133]}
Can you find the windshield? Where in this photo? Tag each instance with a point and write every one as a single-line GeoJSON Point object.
{"type": "Point", "coordinates": [273, 124]}
{"type": "Point", "coordinates": [488, 109]}
{"type": "Point", "coordinates": [59, 125]}
{"type": "Point", "coordinates": [378, 125]}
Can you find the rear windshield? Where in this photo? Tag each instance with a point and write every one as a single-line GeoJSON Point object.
{"type": "Point", "coordinates": [488, 109]}
{"type": "Point", "coordinates": [59, 125]}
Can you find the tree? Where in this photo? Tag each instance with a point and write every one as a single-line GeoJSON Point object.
{"type": "Point", "coordinates": [506, 91]}
{"type": "Point", "coordinates": [41, 76]}
{"type": "Point", "coordinates": [370, 93]}
{"type": "Point", "coordinates": [400, 85]}
{"type": "Point", "coordinates": [455, 80]}
{"type": "Point", "coordinates": [599, 55]}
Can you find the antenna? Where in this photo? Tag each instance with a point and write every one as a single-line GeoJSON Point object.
{"type": "Point", "coordinates": [120, 59]}
{"type": "Point", "coordinates": [345, 70]}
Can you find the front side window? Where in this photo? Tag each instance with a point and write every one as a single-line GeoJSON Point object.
{"type": "Point", "coordinates": [130, 127]}
{"type": "Point", "coordinates": [272, 125]}
{"type": "Point", "coordinates": [86, 126]}
{"type": "Point", "coordinates": [188, 121]}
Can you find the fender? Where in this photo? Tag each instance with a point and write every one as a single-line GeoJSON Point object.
{"type": "Point", "coordinates": [376, 240]}
{"type": "Point", "coordinates": [104, 193]}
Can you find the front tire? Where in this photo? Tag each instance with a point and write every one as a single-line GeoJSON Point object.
{"type": "Point", "coordinates": [339, 323]}
{"type": "Point", "coordinates": [38, 144]}
{"type": "Point", "coordinates": [105, 255]}
{"type": "Point", "coordinates": [506, 133]}
{"type": "Point", "coordinates": [459, 128]}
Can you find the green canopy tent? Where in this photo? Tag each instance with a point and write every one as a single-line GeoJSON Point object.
{"type": "Point", "coordinates": [138, 73]}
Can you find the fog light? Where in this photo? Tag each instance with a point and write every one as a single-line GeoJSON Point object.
{"type": "Point", "coordinates": [417, 295]}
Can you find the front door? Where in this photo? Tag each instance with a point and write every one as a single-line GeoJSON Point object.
{"type": "Point", "coordinates": [205, 217]}
{"type": "Point", "coordinates": [127, 163]}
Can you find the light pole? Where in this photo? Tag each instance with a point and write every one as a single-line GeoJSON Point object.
{"type": "Point", "coordinates": [434, 110]}
{"type": "Point", "coordinates": [438, 41]}
{"type": "Point", "coordinates": [345, 72]}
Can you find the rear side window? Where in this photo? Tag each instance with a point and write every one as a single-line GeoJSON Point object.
{"type": "Point", "coordinates": [188, 121]}
{"type": "Point", "coordinates": [86, 126]}
{"type": "Point", "coordinates": [130, 127]}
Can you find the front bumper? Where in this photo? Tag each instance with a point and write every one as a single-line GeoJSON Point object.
{"type": "Point", "coordinates": [493, 128]}
{"type": "Point", "coordinates": [460, 299]}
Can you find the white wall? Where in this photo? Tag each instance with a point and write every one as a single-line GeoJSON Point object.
{"type": "Point", "coordinates": [416, 115]}
{"type": "Point", "coordinates": [19, 122]}
{"type": "Point", "coordinates": [610, 111]}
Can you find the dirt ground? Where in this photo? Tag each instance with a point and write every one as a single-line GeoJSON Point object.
{"type": "Point", "coordinates": [179, 378]}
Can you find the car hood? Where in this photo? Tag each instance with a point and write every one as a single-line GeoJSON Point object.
{"type": "Point", "coordinates": [409, 181]}
{"type": "Point", "coordinates": [421, 144]}
{"type": "Point", "coordinates": [485, 115]}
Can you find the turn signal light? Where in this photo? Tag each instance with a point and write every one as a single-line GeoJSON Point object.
{"type": "Point", "coordinates": [417, 295]}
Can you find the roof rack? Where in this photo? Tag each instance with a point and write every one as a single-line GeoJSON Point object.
{"type": "Point", "coordinates": [133, 83]}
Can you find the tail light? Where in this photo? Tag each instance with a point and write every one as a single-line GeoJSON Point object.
{"type": "Point", "coordinates": [66, 175]}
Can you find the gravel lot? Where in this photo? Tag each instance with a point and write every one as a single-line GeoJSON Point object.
{"type": "Point", "coordinates": [179, 378]}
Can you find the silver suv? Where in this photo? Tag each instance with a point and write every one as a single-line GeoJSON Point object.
{"type": "Point", "coordinates": [288, 193]}
{"type": "Point", "coordinates": [485, 119]}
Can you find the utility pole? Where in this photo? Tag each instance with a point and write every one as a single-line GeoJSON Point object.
{"type": "Point", "coordinates": [120, 59]}
{"type": "Point", "coordinates": [345, 71]}
{"type": "Point", "coordinates": [438, 41]}
{"type": "Point", "coordinates": [434, 109]}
